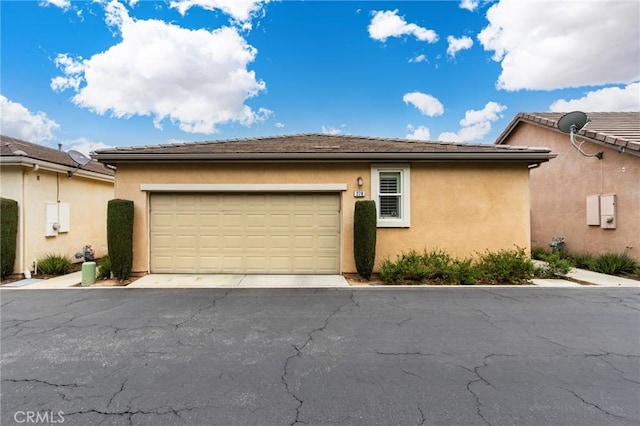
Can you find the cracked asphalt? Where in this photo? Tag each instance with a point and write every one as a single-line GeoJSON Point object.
{"type": "Point", "coordinates": [437, 356]}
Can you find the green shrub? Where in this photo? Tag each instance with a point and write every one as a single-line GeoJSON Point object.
{"type": "Point", "coordinates": [464, 272]}
{"type": "Point", "coordinates": [54, 264]}
{"type": "Point", "coordinates": [439, 263]}
{"type": "Point", "coordinates": [613, 264]}
{"type": "Point", "coordinates": [506, 266]}
{"type": "Point", "coordinates": [104, 270]}
{"type": "Point", "coordinates": [414, 268]}
{"type": "Point", "coordinates": [582, 260]}
{"type": "Point", "coordinates": [556, 266]}
{"type": "Point", "coordinates": [539, 253]}
{"type": "Point", "coordinates": [8, 235]}
{"type": "Point", "coordinates": [364, 237]}
{"type": "Point", "coordinates": [120, 237]}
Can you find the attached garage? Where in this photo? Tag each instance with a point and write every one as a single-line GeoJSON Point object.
{"type": "Point", "coordinates": [240, 233]}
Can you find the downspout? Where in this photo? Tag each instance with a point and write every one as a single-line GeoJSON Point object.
{"type": "Point", "coordinates": [22, 226]}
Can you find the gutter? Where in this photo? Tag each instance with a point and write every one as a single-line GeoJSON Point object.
{"type": "Point", "coordinates": [53, 167]}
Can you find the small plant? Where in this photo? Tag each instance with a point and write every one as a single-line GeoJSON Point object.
{"type": "Point", "coordinates": [507, 266]}
{"type": "Point", "coordinates": [613, 264]}
{"type": "Point", "coordinates": [54, 264]}
{"type": "Point", "coordinates": [104, 270]}
{"type": "Point", "coordinates": [556, 266]}
{"type": "Point", "coordinates": [407, 269]}
{"type": "Point", "coordinates": [538, 253]}
{"type": "Point", "coordinates": [582, 260]}
{"type": "Point", "coordinates": [464, 272]}
{"type": "Point", "coordinates": [439, 263]}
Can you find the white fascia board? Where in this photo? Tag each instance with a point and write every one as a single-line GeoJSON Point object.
{"type": "Point", "coordinates": [213, 187]}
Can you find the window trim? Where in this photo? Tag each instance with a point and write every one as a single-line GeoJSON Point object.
{"type": "Point", "coordinates": [404, 221]}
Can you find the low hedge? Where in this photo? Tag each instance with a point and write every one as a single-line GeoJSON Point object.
{"type": "Point", "coordinates": [438, 267]}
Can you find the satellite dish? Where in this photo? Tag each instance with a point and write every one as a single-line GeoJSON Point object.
{"type": "Point", "coordinates": [79, 158]}
{"type": "Point", "coordinates": [572, 121]}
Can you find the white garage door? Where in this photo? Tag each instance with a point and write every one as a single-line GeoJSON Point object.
{"type": "Point", "coordinates": [245, 233]}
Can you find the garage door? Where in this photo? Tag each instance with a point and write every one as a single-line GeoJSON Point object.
{"type": "Point", "coordinates": [245, 233]}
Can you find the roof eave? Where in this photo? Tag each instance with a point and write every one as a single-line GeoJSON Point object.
{"type": "Point", "coordinates": [586, 134]}
{"type": "Point", "coordinates": [53, 167]}
{"type": "Point", "coordinates": [504, 156]}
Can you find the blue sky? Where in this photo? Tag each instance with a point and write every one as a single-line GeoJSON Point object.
{"type": "Point", "coordinates": [121, 73]}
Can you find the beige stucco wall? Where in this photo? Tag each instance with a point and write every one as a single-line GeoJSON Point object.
{"type": "Point", "coordinates": [559, 190]}
{"type": "Point", "coordinates": [462, 208]}
{"type": "Point", "coordinates": [87, 199]}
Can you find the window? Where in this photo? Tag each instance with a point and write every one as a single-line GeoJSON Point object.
{"type": "Point", "coordinates": [390, 190]}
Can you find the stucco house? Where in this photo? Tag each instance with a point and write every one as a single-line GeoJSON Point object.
{"type": "Point", "coordinates": [282, 205]}
{"type": "Point", "coordinates": [57, 214]}
{"type": "Point", "coordinates": [594, 203]}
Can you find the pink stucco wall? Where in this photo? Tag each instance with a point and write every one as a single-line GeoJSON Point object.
{"type": "Point", "coordinates": [559, 189]}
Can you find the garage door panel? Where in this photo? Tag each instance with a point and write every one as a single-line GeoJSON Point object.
{"type": "Point", "coordinates": [245, 233]}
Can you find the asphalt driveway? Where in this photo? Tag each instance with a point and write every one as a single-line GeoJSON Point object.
{"type": "Point", "coordinates": [449, 356]}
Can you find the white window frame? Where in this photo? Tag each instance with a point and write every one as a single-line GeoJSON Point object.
{"type": "Point", "coordinates": [404, 221]}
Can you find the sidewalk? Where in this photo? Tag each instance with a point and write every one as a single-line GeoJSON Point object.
{"type": "Point", "coordinates": [575, 278]}
{"type": "Point", "coordinates": [63, 281]}
{"type": "Point", "coordinates": [602, 280]}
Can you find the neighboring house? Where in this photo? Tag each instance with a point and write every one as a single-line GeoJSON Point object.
{"type": "Point", "coordinates": [57, 214]}
{"type": "Point", "coordinates": [593, 203]}
{"type": "Point", "coordinates": [282, 205]}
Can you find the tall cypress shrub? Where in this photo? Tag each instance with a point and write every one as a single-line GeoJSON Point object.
{"type": "Point", "coordinates": [120, 237]}
{"type": "Point", "coordinates": [364, 237]}
{"type": "Point", "coordinates": [8, 235]}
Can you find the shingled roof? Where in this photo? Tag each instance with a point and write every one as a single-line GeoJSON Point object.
{"type": "Point", "coordinates": [17, 151]}
{"type": "Point", "coordinates": [613, 129]}
{"type": "Point", "coordinates": [322, 147]}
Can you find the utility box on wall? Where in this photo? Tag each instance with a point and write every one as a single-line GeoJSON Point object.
{"type": "Point", "coordinates": [593, 210]}
{"type": "Point", "coordinates": [608, 211]}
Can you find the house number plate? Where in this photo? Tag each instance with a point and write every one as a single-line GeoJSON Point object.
{"type": "Point", "coordinates": [359, 194]}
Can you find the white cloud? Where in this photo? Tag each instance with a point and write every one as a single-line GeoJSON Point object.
{"type": "Point", "coordinates": [279, 125]}
{"type": "Point", "coordinates": [418, 133]}
{"type": "Point", "coordinates": [18, 122]}
{"type": "Point", "coordinates": [470, 5]}
{"type": "Point", "coordinates": [418, 59]}
{"type": "Point", "coordinates": [458, 44]}
{"type": "Point", "coordinates": [62, 4]}
{"type": "Point", "coordinates": [385, 24]}
{"type": "Point", "coordinates": [240, 10]}
{"type": "Point", "coordinates": [197, 79]}
{"type": "Point", "coordinates": [490, 112]}
{"type": "Point", "coordinates": [546, 45]}
{"type": "Point", "coordinates": [84, 145]}
{"type": "Point", "coordinates": [427, 104]}
{"type": "Point", "coordinates": [330, 130]}
{"type": "Point", "coordinates": [476, 124]}
{"type": "Point", "coordinates": [608, 99]}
